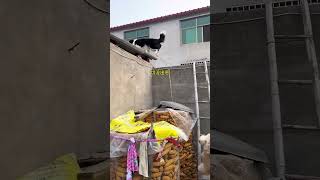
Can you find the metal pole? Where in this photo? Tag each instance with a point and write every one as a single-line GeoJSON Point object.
{"type": "Point", "coordinates": [197, 111]}
{"type": "Point", "coordinates": [276, 113]}
{"type": "Point", "coordinates": [207, 77]}
{"type": "Point", "coordinates": [170, 84]}
{"type": "Point", "coordinates": [312, 56]}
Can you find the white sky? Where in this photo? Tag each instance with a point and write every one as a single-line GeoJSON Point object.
{"type": "Point", "coordinates": [129, 11]}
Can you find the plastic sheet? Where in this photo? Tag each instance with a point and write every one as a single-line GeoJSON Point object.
{"type": "Point", "coordinates": [179, 119]}
{"type": "Point", "coordinates": [183, 120]}
{"type": "Point", "coordinates": [165, 160]}
{"type": "Point", "coordinates": [119, 146]}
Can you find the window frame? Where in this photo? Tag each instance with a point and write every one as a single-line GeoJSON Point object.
{"type": "Point", "coordinates": [136, 33]}
{"type": "Point", "coordinates": [196, 27]}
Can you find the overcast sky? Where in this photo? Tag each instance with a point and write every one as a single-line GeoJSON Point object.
{"type": "Point", "coordinates": [129, 11]}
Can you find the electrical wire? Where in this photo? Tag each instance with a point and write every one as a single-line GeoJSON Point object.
{"type": "Point", "coordinates": [96, 7]}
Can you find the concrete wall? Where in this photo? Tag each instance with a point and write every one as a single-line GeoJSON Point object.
{"type": "Point", "coordinates": [130, 82]}
{"type": "Point", "coordinates": [182, 90]}
{"type": "Point", "coordinates": [242, 97]}
{"type": "Point", "coordinates": [173, 52]}
{"type": "Point", "coordinates": [52, 101]}
{"type": "Point", "coordinates": [220, 6]}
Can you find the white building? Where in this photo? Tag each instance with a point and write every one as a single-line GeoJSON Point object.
{"type": "Point", "coordinates": [187, 36]}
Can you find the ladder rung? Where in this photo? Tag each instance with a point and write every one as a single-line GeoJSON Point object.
{"type": "Point", "coordinates": [203, 101]}
{"type": "Point", "coordinates": [204, 117]}
{"type": "Point", "coordinates": [201, 72]}
{"type": "Point", "coordinates": [291, 36]}
{"type": "Point", "coordinates": [194, 102]}
{"type": "Point", "coordinates": [202, 86]}
{"type": "Point", "coordinates": [300, 127]}
{"type": "Point", "coordinates": [295, 81]}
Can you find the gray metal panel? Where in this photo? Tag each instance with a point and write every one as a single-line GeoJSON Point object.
{"type": "Point", "coordinates": [231, 145]}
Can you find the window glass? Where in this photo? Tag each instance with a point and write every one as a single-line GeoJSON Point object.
{"type": "Point", "coordinates": [136, 34]}
{"type": "Point", "coordinates": [130, 35]}
{"type": "Point", "coordinates": [143, 32]}
{"type": "Point", "coordinates": [189, 35]}
{"type": "Point", "coordinates": [205, 20]}
{"type": "Point", "coordinates": [188, 23]}
{"type": "Point", "coordinates": [195, 30]}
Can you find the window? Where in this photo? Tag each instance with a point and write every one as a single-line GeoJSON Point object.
{"type": "Point", "coordinates": [195, 30]}
{"type": "Point", "coordinates": [136, 34]}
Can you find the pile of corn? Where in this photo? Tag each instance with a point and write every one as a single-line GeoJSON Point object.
{"type": "Point", "coordinates": [188, 158]}
{"type": "Point", "coordinates": [167, 167]}
{"type": "Point", "coordinates": [161, 116]}
{"type": "Point", "coordinates": [164, 168]}
{"type": "Point", "coordinates": [188, 161]}
{"type": "Point", "coordinates": [118, 170]}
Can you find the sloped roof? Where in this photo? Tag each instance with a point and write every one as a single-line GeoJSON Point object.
{"type": "Point", "coordinates": [162, 18]}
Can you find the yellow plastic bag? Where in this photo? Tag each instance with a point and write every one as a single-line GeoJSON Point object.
{"type": "Point", "coordinates": [127, 124]}
{"type": "Point", "coordinates": [164, 130]}
{"type": "Point", "coordinates": [63, 168]}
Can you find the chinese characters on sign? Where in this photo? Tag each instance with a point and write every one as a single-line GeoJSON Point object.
{"type": "Point", "coordinates": [160, 72]}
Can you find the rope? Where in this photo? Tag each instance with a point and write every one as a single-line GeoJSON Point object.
{"type": "Point", "coordinates": [172, 140]}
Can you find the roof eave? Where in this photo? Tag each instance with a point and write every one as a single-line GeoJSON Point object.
{"type": "Point", "coordinates": [161, 19]}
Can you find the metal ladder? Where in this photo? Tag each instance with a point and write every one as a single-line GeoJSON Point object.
{"type": "Point", "coordinates": [196, 95]}
{"type": "Point", "coordinates": [310, 47]}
